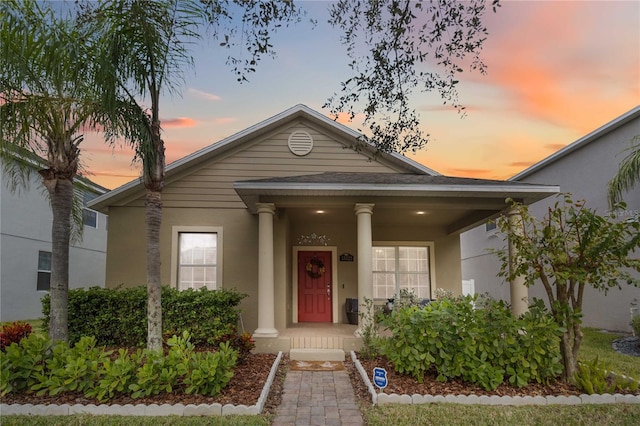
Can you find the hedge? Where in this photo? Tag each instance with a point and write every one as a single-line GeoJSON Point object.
{"type": "Point", "coordinates": [118, 317]}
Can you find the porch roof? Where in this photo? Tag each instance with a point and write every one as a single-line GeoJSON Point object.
{"type": "Point", "coordinates": [467, 202]}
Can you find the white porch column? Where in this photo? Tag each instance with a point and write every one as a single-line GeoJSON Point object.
{"type": "Point", "coordinates": [519, 291]}
{"type": "Point", "coordinates": [266, 298]}
{"type": "Point", "coordinates": [365, 248]}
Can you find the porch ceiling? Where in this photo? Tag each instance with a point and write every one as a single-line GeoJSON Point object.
{"type": "Point", "coordinates": [456, 204]}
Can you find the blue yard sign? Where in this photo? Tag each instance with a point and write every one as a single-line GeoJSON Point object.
{"type": "Point", "coordinates": [380, 377]}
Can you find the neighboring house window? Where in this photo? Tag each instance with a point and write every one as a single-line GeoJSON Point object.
{"type": "Point", "coordinates": [490, 226]}
{"type": "Point", "coordinates": [89, 217]}
{"type": "Point", "coordinates": [44, 271]}
{"type": "Point", "coordinates": [398, 267]}
{"type": "Point", "coordinates": [196, 257]}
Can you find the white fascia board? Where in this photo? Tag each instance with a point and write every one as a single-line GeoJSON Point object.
{"type": "Point", "coordinates": [427, 189]}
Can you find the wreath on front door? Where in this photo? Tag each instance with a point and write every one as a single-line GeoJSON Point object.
{"type": "Point", "coordinates": [315, 267]}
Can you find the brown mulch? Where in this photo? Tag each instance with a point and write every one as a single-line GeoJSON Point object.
{"type": "Point", "coordinates": [245, 388]}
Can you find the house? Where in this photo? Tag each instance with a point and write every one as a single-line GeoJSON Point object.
{"type": "Point", "coordinates": [584, 169]}
{"type": "Point", "coordinates": [300, 215]}
{"type": "Point", "coordinates": [25, 244]}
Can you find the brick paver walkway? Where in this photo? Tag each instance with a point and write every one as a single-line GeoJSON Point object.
{"type": "Point", "coordinates": [318, 398]}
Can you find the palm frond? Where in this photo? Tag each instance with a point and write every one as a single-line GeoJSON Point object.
{"type": "Point", "coordinates": [628, 174]}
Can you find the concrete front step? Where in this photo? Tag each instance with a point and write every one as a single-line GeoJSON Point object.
{"type": "Point", "coordinates": [309, 354]}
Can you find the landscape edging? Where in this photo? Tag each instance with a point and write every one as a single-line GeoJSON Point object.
{"type": "Point", "coordinates": [214, 409]}
{"type": "Point", "coordinates": [383, 398]}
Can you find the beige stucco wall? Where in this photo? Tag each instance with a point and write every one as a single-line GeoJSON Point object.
{"type": "Point", "coordinates": [204, 196]}
{"type": "Point", "coordinates": [126, 262]}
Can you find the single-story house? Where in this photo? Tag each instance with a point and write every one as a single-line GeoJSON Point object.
{"type": "Point", "coordinates": [25, 243]}
{"type": "Point", "coordinates": [584, 169]}
{"type": "Point", "coordinates": [296, 212]}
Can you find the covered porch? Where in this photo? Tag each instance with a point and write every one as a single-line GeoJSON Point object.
{"type": "Point", "coordinates": [344, 216]}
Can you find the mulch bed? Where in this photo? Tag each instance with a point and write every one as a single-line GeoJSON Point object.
{"type": "Point", "coordinates": [403, 384]}
{"type": "Point", "coordinates": [245, 388]}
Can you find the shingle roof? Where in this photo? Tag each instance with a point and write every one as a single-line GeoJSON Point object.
{"type": "Point", "coordinates": [384, 179]}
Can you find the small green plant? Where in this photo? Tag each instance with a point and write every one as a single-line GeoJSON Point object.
{"type": "Point", "coordinates": [593, 377]}
{"type": "Point", "coordinates": [441, 293]}
{"type": "Point", "coordinates": [75, 369]}
{"type": "Point", "coordinates": [368, 330]}
{"type": "Point", "coordinates": [635, 324]}
{"type": "Point", "coordinates": [116, 375]}
{"type": "Point", "coordinates": [407, 297]}
{"type": "Point", "coordinates": [22, 363]}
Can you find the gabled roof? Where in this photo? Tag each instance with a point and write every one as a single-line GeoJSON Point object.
{"type": "Point", "coordinates": [596, 134]}
{"type": "Point", "coordinates": [218, 148]}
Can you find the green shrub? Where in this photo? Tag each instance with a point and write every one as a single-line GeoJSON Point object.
{"type": "Point", "coordinates": [22, 363]}
{"type": "Point", "coordinates": [75, 369]}
{"type": "Point", "coordinates": [118, 317]}
{"type": "Point", "coordinates": [484, 346]}
{"type": "Point", "coordinates": [33, 366]}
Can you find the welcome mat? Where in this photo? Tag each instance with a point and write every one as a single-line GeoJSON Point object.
{"type": "Point", "coordinates": [317, 366]}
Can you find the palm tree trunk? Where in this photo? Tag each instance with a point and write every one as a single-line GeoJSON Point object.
{"type": "Point", "coordinates": [61, 194]}
{"type": "Point", "coordinates": [154, 289]}
{"type": "Point", "coordinates": [154, 182]}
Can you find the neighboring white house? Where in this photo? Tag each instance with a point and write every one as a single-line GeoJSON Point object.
{"type": "Point", "coordinates": [25, 246]}
{"type": "Point", "coordinates": [583, 168]}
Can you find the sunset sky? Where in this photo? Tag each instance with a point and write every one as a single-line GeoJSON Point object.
{"type": "Point", "coordinates": [556, 71]}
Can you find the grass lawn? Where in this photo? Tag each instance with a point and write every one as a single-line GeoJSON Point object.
{"type": "Point", "coordinates": [454, 414]}
{"type": "Point", "coordinates": [598, 343]}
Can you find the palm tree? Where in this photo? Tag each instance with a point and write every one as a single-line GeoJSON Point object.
{"type": "Point", "coordinates": [144, 50]}
{"type": "Point", "coordinates": [628, 175]}
{"type": "Point", "coordinates": [48, 97]}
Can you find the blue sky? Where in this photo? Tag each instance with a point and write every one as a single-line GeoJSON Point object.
{"type": "Point", "coordinates": [556, 71]}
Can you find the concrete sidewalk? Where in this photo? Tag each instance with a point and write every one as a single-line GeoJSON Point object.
{"type": "Point", "coordinates": [318, 398]}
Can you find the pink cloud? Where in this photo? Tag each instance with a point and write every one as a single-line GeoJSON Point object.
{"type": "Point", "coordinates": [573, 64]}
{"type": "Point", "coordinates": [178, 122]}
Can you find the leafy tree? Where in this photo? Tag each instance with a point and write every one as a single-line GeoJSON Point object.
{"type": "Point", "coordinates": [144, 51]}
{"type": "Point", "coordinates": [397, 47]}
{"type": "Point", "coordinates": [569, 249]}
{"type": "Point", "coordinates": [628, 174]}
{"type": "Point", "coordinates": [48, 98]}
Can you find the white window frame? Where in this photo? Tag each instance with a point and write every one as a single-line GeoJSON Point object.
{"type": "Point", "coordinates": [43, 270]}
{"type": "Point", "coordinates": [432, 265]}
{"type": "Point", "coordinates": [175, 237]}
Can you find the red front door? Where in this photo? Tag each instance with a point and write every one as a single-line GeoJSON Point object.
{"type": "Point", "coordinates": [314, 286]}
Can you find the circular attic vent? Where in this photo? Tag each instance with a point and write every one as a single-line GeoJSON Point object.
{"type": "Point", "coordinates": [300, 143]}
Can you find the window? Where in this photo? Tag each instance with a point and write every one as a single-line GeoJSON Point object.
{"type": "Point", "coordinates": [490, 226]}
{"type": "Point", "coordinates": [398, 267]}
{"type": "Point", "coordinates": [196, 254]}
{"type": "Point", "coordinates": [89, 217]}
{"type": "Point", "coordinates": [44, 271]}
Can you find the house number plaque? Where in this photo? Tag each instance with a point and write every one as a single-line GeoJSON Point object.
{"type": "Point", "coordinates": [346, 257]}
